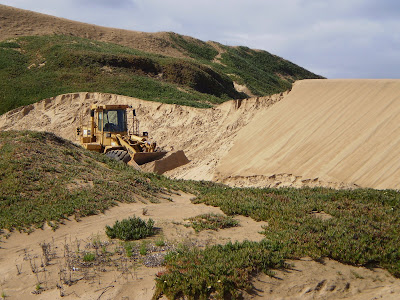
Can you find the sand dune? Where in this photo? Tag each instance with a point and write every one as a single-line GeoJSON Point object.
{"type": "Point", "coordinates": [334, 133]}
{"type": "Point", "coordinates": [328, 130]}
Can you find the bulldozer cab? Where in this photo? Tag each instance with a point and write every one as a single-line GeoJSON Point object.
{"type": "Point", "coordinates": [112, 120]}
{"type": "Point", "coordinates": [108, 120]}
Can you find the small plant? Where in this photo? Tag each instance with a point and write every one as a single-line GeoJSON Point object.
{"type": "Point", "coordinates": [128, 246]}
{"type": "Point", "coordinates": [212, 221]}
{"type": "Point", "coordinates": [131, 229]}
{"type": "Point", "coordinates": [160, 242]}
{"type": "Point", "coordinates": [88, 257]}
{"type": "Point", "coordinates": [356, 275]}
{"type": "Point", "coordinates": [143, 248]}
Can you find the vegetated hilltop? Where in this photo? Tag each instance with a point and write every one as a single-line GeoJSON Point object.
{"type": "Point", "coordinates": [43, 56]}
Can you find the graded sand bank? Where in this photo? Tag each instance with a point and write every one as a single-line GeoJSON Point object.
{"type": "Point", "coordinates": [324, 130]}
{"type": "Point", "coordinates": [334, 133]}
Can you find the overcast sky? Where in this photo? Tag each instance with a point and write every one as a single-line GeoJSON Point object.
{"type": "Point", "coordinates": [333, 38]}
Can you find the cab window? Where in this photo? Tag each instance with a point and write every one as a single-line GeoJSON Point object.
{"type": "Point", "coordinates": [114, 120]}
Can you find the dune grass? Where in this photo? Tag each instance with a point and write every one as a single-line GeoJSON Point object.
{"type": "Point", "coordinates": [44, 178]}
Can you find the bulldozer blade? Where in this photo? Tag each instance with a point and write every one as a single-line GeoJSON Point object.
{"type": "Point", "coordinates": [170, 162]}
{"type": "Point", "coordinates": [142, 158]}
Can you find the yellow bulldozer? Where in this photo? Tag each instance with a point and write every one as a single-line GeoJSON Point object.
{"type": "Point", "coordinates": [107, 132]}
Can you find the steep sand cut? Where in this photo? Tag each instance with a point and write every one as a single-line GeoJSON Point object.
{"type": "Point", "coordinates": [334, 133]}
{"type": "Point", "coordinates": [204, 134]}
{"type": "Point", "coordinates": [324, 130]}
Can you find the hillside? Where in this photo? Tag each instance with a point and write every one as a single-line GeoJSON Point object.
{"type": "Point", "coordinates": [43, 56]}
{"type": "Point", "coordinates": [281, 198]}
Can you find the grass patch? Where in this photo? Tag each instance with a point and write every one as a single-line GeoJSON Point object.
{"type": "Point", "coordinates": [88, 257]}
{"type": "Point", "coordinates": [212, 221]}
{"type": "Point", "coordinates": [130, 229]}
{"type": "Point", "coordinates": [221, 270]}
{"type": "Point", "coordinates": [364, 228]}
{"type": "Point", "coordinates": [44, 178]}
{"type": "Point", "coordinates": [46, 66]}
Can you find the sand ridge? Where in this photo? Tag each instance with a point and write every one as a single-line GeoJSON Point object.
{"type": "Point", "coordinates": [204, 134]}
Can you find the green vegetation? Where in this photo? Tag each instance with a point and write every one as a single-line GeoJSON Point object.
{"type": "Point", "coordinates": [143, 248]}
{"type": "Point", "coordinates": [262, 72]}
{"type": "Point", "coordinates": [221, 270]}
{"type": "Point", "coordinates": [44, 178]}
{"type": "Point", "coordinates": [212, 221]}
{"type": "Point", "coordinates": [133, 228]}
{"type": "Point", "coordinates": [89, 256]}
{"type": "Point", "coordinates": [363, 230]}
{"type": "Point", "coordinates": [194, 48]}
{"type": "Point", "coordinates": [38, 67]}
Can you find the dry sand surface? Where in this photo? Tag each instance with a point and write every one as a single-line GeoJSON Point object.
{"type": "Point", "coordinates": [338, 131]}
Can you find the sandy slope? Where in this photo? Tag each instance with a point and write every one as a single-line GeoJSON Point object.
{"type": "Point", "coordinates": [325, 130]}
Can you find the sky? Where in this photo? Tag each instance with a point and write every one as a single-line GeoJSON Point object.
{"type": "Point", "coordinates": [332, 38]}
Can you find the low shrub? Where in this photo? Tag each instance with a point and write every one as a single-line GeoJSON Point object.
{"type": "Point", "coordinates": [133, 228]}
